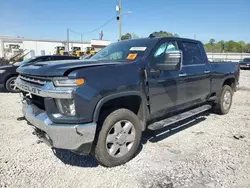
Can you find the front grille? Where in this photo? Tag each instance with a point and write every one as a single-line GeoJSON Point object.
{"type": "Point", "coordinates": [34, 80]}
{"type": "Point", "coordinates": [38, 101]}
{"type": "Point", "coordinates": [34, 99]}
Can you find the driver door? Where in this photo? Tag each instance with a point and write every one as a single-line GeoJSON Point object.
{"type": "Point", "coordinates": [167, 88]}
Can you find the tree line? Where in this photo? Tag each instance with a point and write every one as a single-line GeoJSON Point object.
{"type": "Point", "coordinates": [227, 46]}
{"type": "Point", "coordinates": [211, 46]}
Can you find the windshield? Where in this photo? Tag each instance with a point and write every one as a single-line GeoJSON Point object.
{"type": "Point", "coordinates": [123, 51]}
{"type": "Point", "coordinates": [24, 61]}
{"type": "Point", "coordinates": [246, 60]}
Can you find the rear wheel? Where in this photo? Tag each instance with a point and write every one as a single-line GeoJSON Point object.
{"type": "Point", "coordinates": [10, 85]}
{"type": "Point", "coordinates": [119, 138]}
{"type": "Point", "coordinates": [225, 101]}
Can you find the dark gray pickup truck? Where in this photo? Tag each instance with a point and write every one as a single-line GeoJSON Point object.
{"type": "Point", "coordinates": [102, 105]}
{"type": "Point", "coordinates": [245, 63]}
{"type": "Point", "coordinates": [8, 73]}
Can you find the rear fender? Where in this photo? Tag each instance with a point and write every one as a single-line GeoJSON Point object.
{"type": "Point", "coordinates": [228, 78]}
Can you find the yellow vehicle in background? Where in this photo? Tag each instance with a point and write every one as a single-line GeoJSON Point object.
{"type": "Point", "coordinates": [76, 51]}
{"type": "Point", "coordinates": [60, 50]}
{"type": "Point", "coordinates": [89, 50]}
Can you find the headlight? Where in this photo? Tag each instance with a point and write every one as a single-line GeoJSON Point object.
{"type": "Point", "coordinates": [66, 106]}
{"type": "Point", "coordinates": [66, 82]}
{"type": "Point", "coordinates": [2, 71]}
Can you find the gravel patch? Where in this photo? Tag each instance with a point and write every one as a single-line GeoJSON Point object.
{"type": "Point", "coordinates": [206, 151]}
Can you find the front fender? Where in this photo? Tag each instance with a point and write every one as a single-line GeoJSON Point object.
{"type": "Point", "coordinates": [145, 112]}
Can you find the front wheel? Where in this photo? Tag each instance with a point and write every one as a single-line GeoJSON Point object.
{"type": "Point", "coordinates": [118, 139]}
{"type": "Point", "coordinates": [225, 101]}
{"type": "Point", "coordinates": [10, 85]}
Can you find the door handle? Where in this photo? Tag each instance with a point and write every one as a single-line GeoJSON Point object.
{"type": "Point", "coordinates": [182, 74]}
{"type": "Point", "coordinates": [207, 71]}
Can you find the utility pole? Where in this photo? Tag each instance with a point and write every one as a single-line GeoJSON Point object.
{"type": "Point", "coordinates": [101, 35]}
{"type": "Point", "coordinates": [68, 40]}
{"type": "Point", "coordinates": [223, 47]}
{"type": "Point", "coordinates": [81, 43]}
{"type": "Point", "coordinates": [119, 17]}
{"type": "Point", "coordinates": [120, 20]}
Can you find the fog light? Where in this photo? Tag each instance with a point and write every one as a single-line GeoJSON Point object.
{"type": "Point", "coordinates": [66, 106]}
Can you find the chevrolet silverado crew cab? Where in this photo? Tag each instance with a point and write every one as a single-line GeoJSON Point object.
{"type": "Point", "coordinates": [103, 104]}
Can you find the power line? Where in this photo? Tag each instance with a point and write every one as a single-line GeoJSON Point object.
{"type": "Point", "coordinates": [106, 23]}
{"type": "Point", "coordinates": [74, 32]}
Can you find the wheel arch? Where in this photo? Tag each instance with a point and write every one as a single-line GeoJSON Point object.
{"type": "Point", "coordinates": [231, 81]}
{"type": "Point", "coordinates": [228, 80]}
{"type": "Point", "coordinates": [8, 77]}
{"type": "Point", "coordinates": [143, 112]}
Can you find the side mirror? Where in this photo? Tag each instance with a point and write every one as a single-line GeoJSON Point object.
{"type": "Point", "coordinates": [172, 61]}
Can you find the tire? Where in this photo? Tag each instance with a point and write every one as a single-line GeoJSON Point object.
{"type": "Point", "coordinates": [103, 147]}
{"type": "Point", "coordinates": [9, 85]}
{"type": "Point", "coordinates": [220, 107]}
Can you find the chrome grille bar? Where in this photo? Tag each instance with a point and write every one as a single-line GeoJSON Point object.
{"type": "Point", "coordinates": [33, 80]}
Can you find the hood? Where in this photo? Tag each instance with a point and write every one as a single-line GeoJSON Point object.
{"type": "Point", "coordinates": [60, 68]}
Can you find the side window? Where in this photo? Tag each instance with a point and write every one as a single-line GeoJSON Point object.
{"type": "Point", "coordinates": [161, 50]}
{"type": "Point", "coordinates": [191, 54]}
{"type": "Point", "coordinates": [172, 46]}
{"type": "Point", "coordinates": [159, 55]}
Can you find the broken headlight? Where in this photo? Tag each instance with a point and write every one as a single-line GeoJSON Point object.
{"type": "Point", "coordinates": [66, 106]}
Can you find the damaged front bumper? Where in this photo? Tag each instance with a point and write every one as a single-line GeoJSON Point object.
{"type": "Point", "coordinates": [74, 137]}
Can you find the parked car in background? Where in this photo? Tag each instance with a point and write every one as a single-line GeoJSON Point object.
{"type": "Point", "coordinates": [101, 105]}
{"type": "Point", "coordinates": [8, 73]}
{"type": "Point", "coordinates": [245, 63]}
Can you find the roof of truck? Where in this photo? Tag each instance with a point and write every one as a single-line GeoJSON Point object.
{"type": "Point", "coordinates": [160, 38]}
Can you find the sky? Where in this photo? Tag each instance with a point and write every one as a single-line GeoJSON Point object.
{"type": "Point", "coordinates": [49, 19]}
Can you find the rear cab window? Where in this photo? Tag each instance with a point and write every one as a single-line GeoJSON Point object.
{"type": "Point", "coordinates": [192, 53]}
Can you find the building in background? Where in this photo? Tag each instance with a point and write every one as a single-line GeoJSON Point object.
{"type": "Point", "coordinates": [10, 46]}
